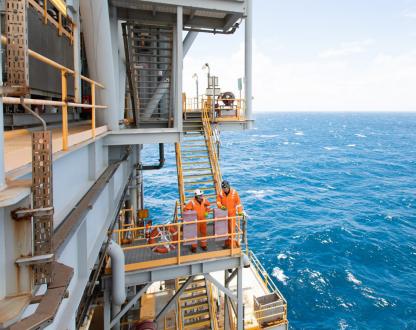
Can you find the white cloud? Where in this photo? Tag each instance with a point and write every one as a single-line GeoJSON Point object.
{"type": "Point", "coordinates": [346, 49]}
{"type": "Point", "coordinates": [409, 13]}
{"type": "Point", "coordinates": [335, 83]}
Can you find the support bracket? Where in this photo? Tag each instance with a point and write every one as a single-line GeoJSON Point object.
{"type": "Point", "coordinates": [221, 287]}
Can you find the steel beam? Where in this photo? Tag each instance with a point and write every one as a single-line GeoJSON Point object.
{"type": "Point", "coordinates": [129, 305]}
{"type": "Point", "coordinates": [182, 270]}
{"type": "Point", "coordinates": [240, 306]}
{"type": "Point", "coordinates": [229, 6]}
{"type": "Point", "coordinates": [226, 309]}
{"type": "Point", "coordinates": [142, 136]}
{"type": "Point", "coordinates": [248, 61]}
{"type": "Point", "coordinates": [179, 69]}
{"type": "Point", "coordinates": [231, 277]}
{"type": "Point", "coordinates": [227, 291]}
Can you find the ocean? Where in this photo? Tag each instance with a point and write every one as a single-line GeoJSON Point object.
{"type": "Point", "coordinates": [332, 204]}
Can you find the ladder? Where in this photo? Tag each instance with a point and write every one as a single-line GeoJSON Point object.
{"type": "Point", "coordinates": [194, 305]}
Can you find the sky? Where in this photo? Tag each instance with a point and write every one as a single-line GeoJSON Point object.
{"type": "Point", "coordinates": [320, 55]}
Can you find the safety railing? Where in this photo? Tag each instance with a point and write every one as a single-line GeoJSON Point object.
{"type": "Point", "coordinates": [176, 229]}
{"type": "Point", "coordinates": [181, 184]}
{"type": "Point", "coordinates": [213, 306]}
{"type": "Point", "coordinates": [225, 108]}
{"type": "Point", "coordinates": [271, 286]}
{"type": "Point", "coordinates": [213, 157]}
{"type": "Point", "coordinates": [64, 103]}
{"type": "Point", "coordinates": [56, 16]}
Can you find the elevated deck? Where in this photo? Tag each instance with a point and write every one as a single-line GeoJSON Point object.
{"type": "Point", "coordinates": [18, 143]}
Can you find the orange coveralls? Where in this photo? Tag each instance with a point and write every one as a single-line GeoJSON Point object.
{"type": "Point", "coordinates": [231, 202]}
{"type": "Point", "coordinates": [201, 209]}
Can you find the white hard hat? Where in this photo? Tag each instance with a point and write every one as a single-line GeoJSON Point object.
{"type": "Point", "coordinates": [198, 192]}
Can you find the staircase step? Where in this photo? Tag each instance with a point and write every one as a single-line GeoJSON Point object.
{"type": "Point", "coordinates": [195, 163]}
{"type": "Point", "coordinates": [196, 289]}
{"type": "Point", "coordinates": [202, 183]}
{"type": "Point", "coordinates": [196, 169]}
{"type": "Point", "coordinates": [188, 146]}
{"type": "Point", "coordinates": [194, 306]}
{"type": "Point", "coordinates": [191, 315]}
{"type": "Point", "coordinates": [197, 325]}
{"type": "Point", "coordinates": [191, 157]}
{"type": "Point", "coordinates": [195, 151]}
{"type": "Point", "coordinates": [200, 175]}
{"type": "Point", "coordinates": [203, 189]}
{"type": "Point", "coordinates": [195, 298]}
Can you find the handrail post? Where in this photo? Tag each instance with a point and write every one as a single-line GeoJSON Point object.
{"type": "Point", "coordinates": [45, 11]}
{"type": "Point", "coordinates": [232, 237]}
{"type": "Point", "coordinates": [179, 242]}
{"type": "Point", "coordinates": [64, 110]}
{"type": "Point", "coordinates": [60, 23]}
{"type": "Point", "coordinates": [93, 109]}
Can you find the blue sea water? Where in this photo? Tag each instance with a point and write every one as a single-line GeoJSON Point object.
{"type": "Point", "coordinates": [332, 205]}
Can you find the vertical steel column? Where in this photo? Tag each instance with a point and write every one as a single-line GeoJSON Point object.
{"type": "Point", "coordinates": [42, 198]}
{"type": "Point", "coordinates": [240, 306]}
{"type": "Point", "coordinates": [179, 67]}
{"type": "Point", "coordinates": [97, 35]}
{"type": "Point", "coordinates": [17, 62]}
{"type": "Point", "coordinates": [226, 310]}
{"type": "Point", "coordinates": [248, 60]}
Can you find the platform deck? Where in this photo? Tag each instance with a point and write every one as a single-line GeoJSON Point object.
{"type": "Point", "coordinates": [18, 145]}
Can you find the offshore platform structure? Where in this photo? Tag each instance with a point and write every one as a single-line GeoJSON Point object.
{"type": "Point", "coordinates": [85, 84]}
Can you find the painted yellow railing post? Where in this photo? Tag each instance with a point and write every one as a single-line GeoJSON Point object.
{"type": "Point", "coordinates": [45, 12]}
{"type": "Point", "coordinates": [64, 110]}
{"type": "Point", "coordinates": [178, 228]}
{"type": "Point", "coordinates": [60, 23]}
{"type": "Point", "coordinates": [93, 109]}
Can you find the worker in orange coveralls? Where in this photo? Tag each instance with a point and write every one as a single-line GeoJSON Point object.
{"type": "Point", "coordinates": [201, 206]}
{"type": "Point", "coordinates": [228, 199]}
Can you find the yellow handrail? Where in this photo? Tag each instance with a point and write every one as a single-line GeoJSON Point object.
{"type": "Point", "coordinates": [180, 175]}
{"type": "Point", "coordinates": [211, 151]}
{"type": "Point", "coordinates": [178, 226]}
{"type": "Point", "coordinates": [213, 307]}
{"type": "Point", "coordinates": [64, 104]}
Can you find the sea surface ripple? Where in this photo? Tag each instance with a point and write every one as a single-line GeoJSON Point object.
{"type": "Point", "coordinates": [332, 206]}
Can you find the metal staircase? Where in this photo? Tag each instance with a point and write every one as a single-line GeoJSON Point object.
{"type": "Point", "coordinates": [148, 51]}
{"type": "Point", "coordinates": [195, 160]}
{"type": "Point", "coordinates": [194, 305]}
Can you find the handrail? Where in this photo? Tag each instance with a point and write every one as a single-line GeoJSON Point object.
{"type": "Point", "coordinates": [64, 104]}
{"type": "Point", "coordinates": [180, 175]}
{"type": "Point", "coordinates": [211, 151]}
{"type": "Point", "coordinates": [237, 233]}
{"type": "Point", "coordinates": [271, 286]}
{"type": "Point", "coordinates": [213, 307]}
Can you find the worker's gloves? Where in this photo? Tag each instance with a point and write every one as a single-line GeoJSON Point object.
{"type": "Point", "coordinates": [223, 208]}
{"type": "Point", "coordinates": [206, 214]}
{"type": "Point", "coordinates": [240, 214]}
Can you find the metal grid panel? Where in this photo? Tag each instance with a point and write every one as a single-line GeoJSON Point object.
{"type": "Point", "coordinates": [150, 57]}
{"type": "Point", "coordinates": [42, 198]}
{"type": "Point", "coordinates": [17, 46]}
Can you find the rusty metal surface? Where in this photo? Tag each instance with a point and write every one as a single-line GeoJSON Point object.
{"type": "Point", "coordinates": [42, 198]}
{"type": "Point", "coordinates": [17, 64]}
{"type": "Point", "coordinates": [49, 303]}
